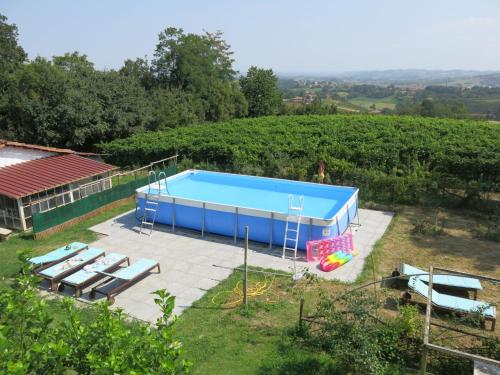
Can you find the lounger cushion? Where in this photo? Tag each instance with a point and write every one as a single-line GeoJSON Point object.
{"type": "Point", "coordinates": [90, 271]}
{"type": "Point", "coordinates": [451, 302]}
{"type": "Point", "coordinates": [135, 269]}
{"type": "Point", "coordinates": [72, 262]}
{"type": "Point", "coordinates": [447, 280]}
{"type": "Point", "coordinates": [58, 253]}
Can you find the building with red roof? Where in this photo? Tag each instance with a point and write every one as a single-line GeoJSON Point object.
{"type": "Point", "coordinates": [39, 178]}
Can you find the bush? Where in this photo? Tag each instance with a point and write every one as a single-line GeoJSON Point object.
{"type": "Point", "coordinates": [360, 343]}
{"type": "Point", "coordinates": [33, 341]}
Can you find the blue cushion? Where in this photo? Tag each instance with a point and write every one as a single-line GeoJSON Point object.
{"type": "Point", "coordinates": [91, 270]}
{"type": "Point", "coordinates": [135, 269]}
{"type": "Point", "coordinates": [72, 262]}
{"type": "Point", "coordinates": [58, 253]}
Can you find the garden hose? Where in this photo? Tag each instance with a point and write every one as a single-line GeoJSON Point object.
{"type": "Point", "coordinates": [236, 294]}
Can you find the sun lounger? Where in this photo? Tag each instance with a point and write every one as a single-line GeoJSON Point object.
{"type": "Point", "coordinates": [57, 255]}
{"type": "Point", "coordinates": [452, 303]}
{"type": "Point", "coordinates": [90, 273]}
{"type": "Point", "coordinates": [123, 278]}
{"type": "Point", "coordinates": [60, 270]}
{"type": "Point", "coordinates": [451, 281]}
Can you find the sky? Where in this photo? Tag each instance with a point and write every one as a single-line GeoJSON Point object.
{"type": "Point", "coordinates": [289, 36]}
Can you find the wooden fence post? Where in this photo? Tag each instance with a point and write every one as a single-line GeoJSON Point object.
{"type": "Point", "coordinates": [423, 364]}
{"type": "Point", "coordinates": [245, 273]}
{"type": "Point", "coordinates": [301, 312]}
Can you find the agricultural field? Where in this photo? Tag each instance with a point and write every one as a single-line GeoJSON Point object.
{"type": "Point", "coordinates": [395, 159]}
{"type": "Point", "coordinates": [380, 103]}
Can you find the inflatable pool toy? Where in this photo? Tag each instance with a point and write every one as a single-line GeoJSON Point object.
{"type": "Point", "coordinates": [318, 249]}
{"type": "Point", "coordinates": [334, 261]}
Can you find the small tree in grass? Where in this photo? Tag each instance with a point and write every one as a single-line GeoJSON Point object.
{"type": "Point", "coordinates": [99, 340]}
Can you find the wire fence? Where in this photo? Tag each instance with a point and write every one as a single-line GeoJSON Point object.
{"type": "Point", "coordinates": [126, 185]}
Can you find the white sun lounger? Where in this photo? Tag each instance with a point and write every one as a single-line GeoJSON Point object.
{"type": "Point", "coordinates": [57, 255]}
{"type": "Point", "coordinates": [90, 273]}
{"type": "Point", "coordinates": [452, 303]}
{"type": "Point", "coordinates": [453, 281]}
{"type": "Point", "coordinates": [124, 277]}
{"type": "Point", "coordinates": [60, 270]}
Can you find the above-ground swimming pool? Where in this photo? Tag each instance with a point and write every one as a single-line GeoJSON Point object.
{"type": "Point", "coordinates": [224, 203]}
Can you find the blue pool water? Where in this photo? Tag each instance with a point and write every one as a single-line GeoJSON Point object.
{"type": "Point", "coordinates": [222, 203]}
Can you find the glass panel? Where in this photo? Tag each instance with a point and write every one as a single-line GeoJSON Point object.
{"type": "Point", "coordinates": [76, 195]}
{"type": "Point", "coordinates": [52, 203]}
{"type": "Point", "coordinates": [35, 207]}
{"type": "Point", "coordinates": [27, 211]}
{"type": "Point", "coordinates": [44, 206]}
{"type": "Point", "coordinates": [67, 198]}
{"type": "Point", "coordinates": [60, 200]}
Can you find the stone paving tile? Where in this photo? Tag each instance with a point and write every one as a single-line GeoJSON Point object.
{"type": "Point", "coordinates": [187, 260]}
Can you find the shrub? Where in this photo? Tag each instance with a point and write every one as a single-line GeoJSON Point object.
{"type": "Point", "coordinates": [33, 341]}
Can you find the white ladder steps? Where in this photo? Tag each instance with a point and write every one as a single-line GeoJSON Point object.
{"type": "Point", "coordinates": [292, 233]}
{"type": "Point", "coordinates": [150, 205]}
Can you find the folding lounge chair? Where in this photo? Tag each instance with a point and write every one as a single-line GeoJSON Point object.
{"type": "Point", "coordinates": [452, 303]}
{"type": "Point", "coordinates": [449, 281]}
{"type": "Point", "coordinates": [123, 278]}
{"type": "Point", "coordinates": [90, 273]}
{"type": "Point", "coordinates": [60, 270]}
{"type": "Point", "coordinates": [57, 255]}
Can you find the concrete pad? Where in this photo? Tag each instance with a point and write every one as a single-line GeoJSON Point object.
{"type": "Point", "coordinates": [187, 260]}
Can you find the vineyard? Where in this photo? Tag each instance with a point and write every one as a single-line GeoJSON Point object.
{"type": "Point", "coordinates": [391, 159]}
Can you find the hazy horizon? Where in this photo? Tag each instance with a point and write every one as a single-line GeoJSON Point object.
{"type": "Point", "coordinates": [291, 37]}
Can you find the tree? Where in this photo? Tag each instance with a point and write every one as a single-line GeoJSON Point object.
{"type": "Point", "coordinates": [65, 102]}
{"type": "Point", "coordinates": [171, 108]}
{"type": "Point", "coordinates": [140, 70]}
{"type": "Point", "coordinates": [260, 87]}
{"type": "Point", "coordinates": [200, 65]}
{"type": "Point", "coordinates": [427, 108]}
{"type": "Point", "coordinates": [11, 58]}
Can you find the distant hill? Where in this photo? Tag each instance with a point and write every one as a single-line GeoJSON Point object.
{"type": "Point", "coordinates": [410, 77]}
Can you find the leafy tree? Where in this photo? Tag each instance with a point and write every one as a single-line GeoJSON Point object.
{"type": "Point", "coordinates": [11, 57]}
{"type": "Point", "coordinates": [260, 87]}
{"type": "Point", "coordinates": [140, 70]}
{"type": "Point", "coordinates": [171, 108]}
{"type": "Point", "coordinates": [427, 108]}
{"type": "Point", "coordinates": [200, 65]}
{"type": "Point", "coordinates": [65, 102]}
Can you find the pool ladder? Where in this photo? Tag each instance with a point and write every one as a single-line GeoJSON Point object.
{"type": "Point", "coordinates": [152, 202]}
{"type": "Point", "coordinates": [292, 226]}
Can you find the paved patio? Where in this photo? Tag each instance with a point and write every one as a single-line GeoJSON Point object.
{"type": "Point", "coordinates": [187, 260]}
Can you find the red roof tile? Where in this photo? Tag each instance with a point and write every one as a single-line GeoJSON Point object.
{"type": "Point", "coordinates": [33, 176]}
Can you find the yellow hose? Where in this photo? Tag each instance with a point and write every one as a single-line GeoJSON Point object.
{"type": "Point", "coordinates": [236, 294]}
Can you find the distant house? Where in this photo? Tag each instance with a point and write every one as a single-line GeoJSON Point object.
{"type": "Point", "coordinates": [38, 179]}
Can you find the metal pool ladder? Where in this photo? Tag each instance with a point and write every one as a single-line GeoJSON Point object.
{"type": "Point", "coordinates": [151, 203]}
{"type": "Point", "coordinates": [292, 226]}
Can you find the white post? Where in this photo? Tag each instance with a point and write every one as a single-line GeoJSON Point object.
{"type": "Point", "coordinates": [21, 213]}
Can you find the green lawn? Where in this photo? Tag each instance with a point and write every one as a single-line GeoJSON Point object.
{"type": "Point", "coordinates": [25, 242]}
{"type": "Point", "coordinates": [380, 104]}
{"type": "Point", "coordinates": [253, 341]}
